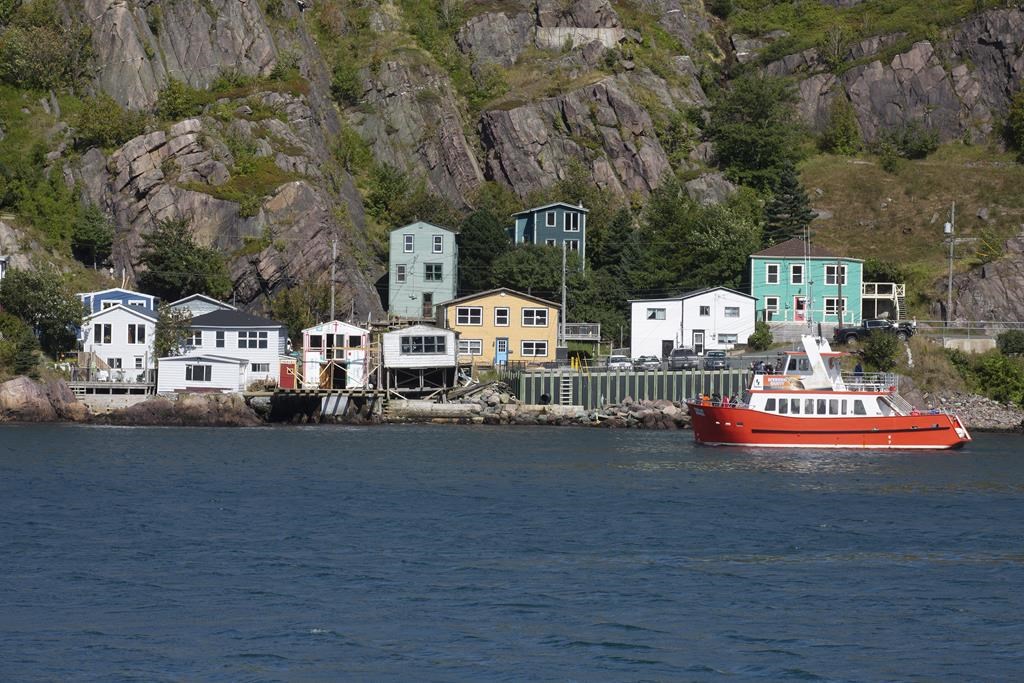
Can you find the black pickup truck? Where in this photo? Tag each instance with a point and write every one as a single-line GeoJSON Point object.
{"type": "Point", "coordinates": [903, 330]}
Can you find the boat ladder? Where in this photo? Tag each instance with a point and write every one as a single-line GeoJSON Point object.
{"type": "Point", "coordinates": [565, 390]}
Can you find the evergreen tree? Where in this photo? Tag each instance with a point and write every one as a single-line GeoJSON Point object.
{"type": "Point", "coordinates": [610, 251]}
{"type": "Point", "coordinates": [789, 211]}
{"type": "Point", "coordinates": [176, 266]}
{"type": "Point", "coordinates": [92, 236]}
{"type": "Point", "coordinates": [482, 239]}
{"type": "Point", "coordinates": [40, 299]}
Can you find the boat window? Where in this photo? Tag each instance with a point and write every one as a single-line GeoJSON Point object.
{"type": "Point", "coordinates": [794, 406]}
{"type": "Point", "coordinates": [833, 406]}
{"type": "Point", "coordinates": [821, 406]}
{"type": "Point", "coordinates": [783, 406]}
{"type": "Point", "coordinates": [809, 406]}
{"type": "Point", "coordinates": [858, 407]}
{"type": "Point", "coordinates": [842, 408]}
{"type": "Point", "coordinates": [769, 405]}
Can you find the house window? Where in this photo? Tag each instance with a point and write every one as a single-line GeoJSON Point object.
{"type": "Point", "coordinates": [194, 339]}
{"type": "Point", "coordinates": [354, 341]}
{"type": "Point", "coordinates": [220, 339]}
{"type": "Point", "coordinates": [469, 315]}
{"type": "Point", "coordinates": [138, 362]}
{"type": "Point", "coordinates": [772, 273]}
{"type": "Point", "coordinates": [251, 339]}
{"type": "Point", "coordinates": [316, 341]}
{"type": "Point", "coordinates": [533, 349]}
{"type": "Point", "coordinates": [432, 272]}
{"type": "Point", "coordinates": [423, 344]}
{"type": "Point", "coordinates": [408, 241]}
{"type": "Point", "coordinates": [831, 272]}
{"type": "Point", "coordinates": [832, 305]}
{"type": "Point", "coordinates": [796, 274]}
{"type": "Point", "coordinates": [535, 317]}
{"type": "Point", "coordinates": [732, 312]}
{"type": "Point", "coordinates": [437, 247]}
{"type": "Point", "coordinates": [260, 367]}
{"type": "Point", "coordinates": [198, 373]}
{"type": "Point", "coordinates": [572, 245]}
{"type": "Point", "coordinates": [139, 303]}
{"type": "Point", "coordinates": [107, 304]}
{"type": "Point", "coordinates": [550, 242]}
{"type": "Point", "coordinates": [101, 333]}
{"type": "Point", "coordinates": [771, 307]}
{"type": "Point", "coordinates": [572, 222]}
{"type": "Point", "coordinates": [400, 273]}
{"type": "Point", "coordinates": [655, 313]}
{"type": "Point", "coordinates": [501, 317]}
{"type": "Point", "coordinates": [136, 333]}
{"type": "Point", "coordinates": [114, 363]}
{"type": "Point", "coordinates": [705, 311]}
{"type": "Point", "coordinates": [471, 347]}
{"type": "Point", "coordinates": [727, 338]}
{"type": "Point", "coordinates": [549, 219]}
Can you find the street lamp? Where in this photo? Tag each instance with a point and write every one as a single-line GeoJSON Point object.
{"type": "Point", "coordinates": [949, 230]}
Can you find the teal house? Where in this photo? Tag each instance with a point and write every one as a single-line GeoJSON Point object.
{"type": "Point", "coordinates": [798, 282]}
{"type": "Point", "coordinates": [553, 225]}
{"type": "Point", "coordinates": [423, 261]}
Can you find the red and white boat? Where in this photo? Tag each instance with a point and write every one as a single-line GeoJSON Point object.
{"type": "Point", "coordinates": [812, 404]}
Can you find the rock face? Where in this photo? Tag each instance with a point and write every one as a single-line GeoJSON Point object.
{"type": "Point", "coordinates": [139, 46]}
{"type": "Point", "coordinates": [958, 87]}
{"type": "Point", "coordinates": [992, 291]}
{"type": "Point", "coordinates": [710, 188]}
{"type": "Point", "coordinates": [191, 410]}
{"type": "Point", "coordinates": [531, 146]}
{"type": "Point", "coordinates": [22, 400]}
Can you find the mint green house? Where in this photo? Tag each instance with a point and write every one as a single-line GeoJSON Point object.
{"type": "Point", "coordinates": [796, 282]}
{"type": "Point", "coordinates": [422, 263]}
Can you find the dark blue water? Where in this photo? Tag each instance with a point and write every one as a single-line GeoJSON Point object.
{"type": "Point", "coordinates": [426, 553]}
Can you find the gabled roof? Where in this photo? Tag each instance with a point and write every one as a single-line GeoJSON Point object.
{"type": "Point", "coordinates": [115, 289]}
{"type": "Point", "coordinates": [324, 326]}
{"type": "Point", "coordinates": [232, 319]}
{"type": "Point", "coordinates": [566, 205]}
{"type": "Point", "coordinates": [794, 248]}
{"type": "Point", "coordinates": [693, 293]}
{"type": "Point", "coordinates": [208, 357]}
{"type": "Point", "coordinates": [121, 307]}
{"type": "Point", "coordinates": [422, 329]}
{"type": "Point", "coordinates": [203, 297]}
{"type": "Point", "coordinates": [427, 224]}
{"type": "Point", "coordinates": [506, 290]}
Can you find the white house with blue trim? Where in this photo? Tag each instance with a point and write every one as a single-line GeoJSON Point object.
{"type": "Point", "coordinates": [108, 298]}
{"type": "Point", "coordinates": [121, 336]}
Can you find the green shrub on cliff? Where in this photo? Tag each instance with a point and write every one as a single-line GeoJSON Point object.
{"type": "Point", "coordinates": [37, 50]}
{"type": "Point", "coordinates": [102, 122]}
{"type": "Point", "coordinates": [176, 266]}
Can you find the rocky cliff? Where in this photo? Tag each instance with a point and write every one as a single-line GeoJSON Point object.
{"type": "Point", "coordinates": [513, 92]}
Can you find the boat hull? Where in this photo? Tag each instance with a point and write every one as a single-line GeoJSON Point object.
{"type": "Point", "coordinates": [738, 426]}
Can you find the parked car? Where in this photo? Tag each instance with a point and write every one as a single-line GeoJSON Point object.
{"type": "Point", "coordinates": [619, 363]}
{"type": "Point", "coordinates": [683, 359]}
{"type": "Point", "coordinates": [715, 360]}
{"type": "Point", "coordinates": [647, 363]}
{"type": "Point", "coordinates": [903, 330]}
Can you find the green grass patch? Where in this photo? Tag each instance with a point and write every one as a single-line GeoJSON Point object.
{"type": "Point", "coordinates": [248, 185]}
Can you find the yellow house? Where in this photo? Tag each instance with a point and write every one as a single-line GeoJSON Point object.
{"type": "Point", "coordinates": [501, 325]}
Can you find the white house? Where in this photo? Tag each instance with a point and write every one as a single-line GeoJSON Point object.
{"type": "Point", "coordinates": [202, 372]}
{"type": "Point", "coordinates": [239, 336]}
{"type": "Point", "coordinates": [335, 355]}
{"type": "Point", "coordinates": [199, 304]}
{"type": "Point", "coordinates": [714, 318]}
{"type": "Point", "coordinates": [420, 359]}
{"type": "Point", "coordinates": [3, 267]}
{"type": "Point", "coordinates": [122, 337]}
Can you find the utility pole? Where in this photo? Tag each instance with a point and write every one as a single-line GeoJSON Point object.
{"type": "Point", "coordinates": [334, 261]}
{"type": "Point", "coordinates": [950, 230]}
{"type": "Point", "coordinates": [561, 326]}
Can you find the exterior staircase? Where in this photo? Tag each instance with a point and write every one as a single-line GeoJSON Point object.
{"type": "Point", "coordinates": [901, 305]}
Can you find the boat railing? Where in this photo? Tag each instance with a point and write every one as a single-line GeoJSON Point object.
{"type": "Point", "coordinates": [870, 381]}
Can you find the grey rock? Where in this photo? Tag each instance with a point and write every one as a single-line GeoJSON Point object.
{"type": "Point", "coordinates": [577, 14]}
{"type": "Point", "coordinates": [991, 291]}
{"type": "Point", "coordinates": [496, 37]}
{"type": "Point", "coordinates": [983, 213]}
{"type": "Point", "coordinates": [710, 188]}
{"type": "Point", "coordinates": [684, 19]}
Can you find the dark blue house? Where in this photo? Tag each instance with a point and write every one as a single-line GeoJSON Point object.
{"type": "Point", "coordinates": [553, 225]}
{"type": "Point", "coordinates": [108, 298]}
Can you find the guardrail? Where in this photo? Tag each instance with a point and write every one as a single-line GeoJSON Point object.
{"type": "Point", "coordinates": [967, 328]}
{"type": "Point", "coordinates": [582, 331]}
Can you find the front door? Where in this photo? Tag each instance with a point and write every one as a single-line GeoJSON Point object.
{"type": "Point", "coordinates": [799, 306]}
{"type": "Point", "coordinates": [666, 347]}
{"type": "Point", "coordinates": [501, 351]}
{"type": "Point", "coordinates": [698, 341]}
{"type": "Point", "coordinates": [428, 304]}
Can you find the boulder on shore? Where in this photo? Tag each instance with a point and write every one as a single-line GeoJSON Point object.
{"type": "Point", "coordinates": [24, 400]}
{"type": "Point", "coordinates": [192, 410]}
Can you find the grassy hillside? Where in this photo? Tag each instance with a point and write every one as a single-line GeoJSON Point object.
{"type": "Point", "coordinates": [899, 217]}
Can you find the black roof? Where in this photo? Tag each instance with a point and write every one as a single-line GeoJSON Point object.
{"type": "Point", "coordinates": [226, 318]}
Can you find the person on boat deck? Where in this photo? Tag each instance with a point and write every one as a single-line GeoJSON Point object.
{"type": "Point", "coordinates": [716, 399]}
{"type": "Point", "coordinates": [759, 368]}
{"type": "Point", "coordinates": [858, 372]}
{"type": "Point", "coordinates": [725, 400]}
